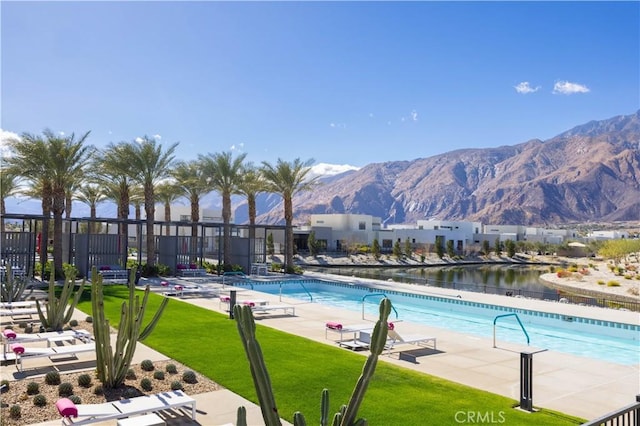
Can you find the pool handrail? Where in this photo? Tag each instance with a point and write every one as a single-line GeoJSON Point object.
{"type": "Point", "coordinates": [512, 314]}
{"type": "Point", "coordinates": [376, 294]}
{"type": "Point", "coordinates": [303, 287]}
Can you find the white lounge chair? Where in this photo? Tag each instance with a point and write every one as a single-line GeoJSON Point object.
{"type": "Point", "coordinates": [19, 353]}
{"type": "Point", "coordinates": [10, 337]}
{"type": "Point", "coordinates": [413, 339]}
{"type": "Point", "coordinates": [83, 414]}
{"type": "Point", "coordinates": [286, 309]}
{"type": "Point", "coordinates": [349, 334]}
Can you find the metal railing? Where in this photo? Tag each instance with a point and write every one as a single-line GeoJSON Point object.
{"type": "Point", "coordinates": [626, 416]}
{"type": "Point", "coordinates": [508, 315]}
{"type": "Point", "coordinates": [303, 287]}
{"type": "Point", "coordinates": [376, 294]}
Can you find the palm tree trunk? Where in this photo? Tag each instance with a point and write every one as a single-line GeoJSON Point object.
{"type": "Point", "coordinates": [167, 217]}
{"type": "Point", "coordinates": [288, 219]}
{"type": "Point", "coordinates": [226, 218]}
{"type": "Point", "coordinates": [46, 212]}
{"type": "Point", "coordinates": [195, 218]}
{"type": "Point", "coordinates": [58, 211]}
{"type": "Point", "coordinates": [149, 210]}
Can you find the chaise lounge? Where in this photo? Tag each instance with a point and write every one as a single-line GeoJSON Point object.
{"type": "Point", "coordinates": [83, 414]}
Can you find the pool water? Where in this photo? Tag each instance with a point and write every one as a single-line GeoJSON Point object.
{"type": "Point", "coordinates": [604, 340]}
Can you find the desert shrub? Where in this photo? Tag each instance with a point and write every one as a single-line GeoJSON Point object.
{"type": "Point", "coordinates": [73, 323]}
{"type": "Point", "coordinates": [33, 388]}
{"type": "Point", "coordinates": [28, 329]}
{"type": "Point", "coordinates": [613, 283]}
{"type": "Point", "coordinates": [189, 377]}
{"type": "Point", "coordinates": [562, 273]}
{"type": "Point", "coordinates": [158, 375]}
{"type": "Point", "coordinates": [89, 319]}
{"type": "Point", "coordinates": [627, 276]}
{"type": "Point", "coordinates": [171, 369]}
{"type": "Point", "coordinates": [601, 282]}
{"type": "Point", "coordinates": [15, 412]}
{"type": "Point", "coordinates": [40, 400]}
{"type": "Point", "coordinates": [75, 399]}
{"type": "Point", "coordinates": [66, 328]}
{"type": "Point", "coordinates": [22, 325]}
{"type": "Point", "coordinates": [5, 384]}
{"type": "Point", "coordinates": [84, 380]}
{"type": "Point", "coordinates": [65, 389]}
{"type": "Point", "coordinates": [573, 268]}
{"type": "Point", "coordinates": [147, 365]}
{"type": "Point", "coordinates": [176, 385]}
{"type": "Point", "coordinates": [130, 393]}
{"type": "Point", "coordinates": [98, 390]}
{"type": "Point", "coordinates": [52, 378]}
{"type": "Point", "coordinates": [131, 374]}
{"type": "Point", "coordinates": [146, 384]}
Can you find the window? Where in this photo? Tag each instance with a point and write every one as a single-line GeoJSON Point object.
{"type": "Point", "coordinates": [362, 226]}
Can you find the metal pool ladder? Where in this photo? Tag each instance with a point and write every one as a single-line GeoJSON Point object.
{"type": "Point", "coordinates": [508, 315]}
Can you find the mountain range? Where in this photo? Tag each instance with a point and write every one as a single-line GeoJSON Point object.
{"type": "Point", "coordinates": [590, 173]}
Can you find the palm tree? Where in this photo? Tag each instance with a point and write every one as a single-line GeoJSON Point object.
{"type": "Point", "coordinates": [167, 193]}
{"type": "Point", "coordinates": [91, 195]}
{"type": "Point", "coordinates": [67, 158]}
{"type": "Point", "coordinates": [149, 164]}
{"type": "Point", "coordinates": [8, 187]}
{"type": "Point", "coordinates": [223, 173]}
{"type": "Point", "coordinates": [250, 185]}
{"type": "Point", "coordinates": [113, 173]}
{"type": "Point", "coordinates": [136, 197]}
{"type": "Point", "coordinates": [287, 179]}
{"type": "Point", "coordinates": [27, 161]}
{"type": "Point", "coordinates": [190, 178]}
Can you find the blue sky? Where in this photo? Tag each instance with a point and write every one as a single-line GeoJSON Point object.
{"type": "Point", "coordinates": [338, 82]}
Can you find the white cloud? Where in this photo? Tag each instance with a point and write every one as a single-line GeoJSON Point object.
{"type": "Point", "coordinates": [139, 139]}
{"type": "Point", "coordinates": [324, 169]}
{"type": "Point", "coordinates": [61, 133]}
{"type": "Point", "coordinates": [338, 125]}
{"type": "Point", "coordinates": [524, 88]}
{"type": "Point", "coordinates": [414, 115]}
{"type": "Point", "coordinates": [157, 137]}
{"type": "Point", "coordinates": [568, 88]}
{"type": "Point", "coordinates": [5, 137]}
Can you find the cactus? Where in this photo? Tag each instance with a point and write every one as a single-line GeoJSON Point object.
{"type": "Point", "coordinates": [12, 288]}
{"type": "Point", "coordinates": [347, 414]}
{"type": "Point", "coordinates": [59, 310]}
{"type": "Point", "coordinates": [113, 365]}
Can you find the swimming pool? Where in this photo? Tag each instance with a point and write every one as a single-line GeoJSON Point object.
{"type": "Point", "coordinates": [597, 339]}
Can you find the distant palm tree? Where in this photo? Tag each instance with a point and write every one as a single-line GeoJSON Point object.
{"type": "Point", "coordinates": [136, 197]}
{"type": "Point", "coordinates": [190, 178]}
{"type": "Point", "coordinates": [167, 193]}
{"type": "Point", "coordinates": [287, 179]}
{"type": "Point", "coordinates": [114, 174]}
{"type": "Point", "coordinates": [251, 183]}
{"type": "Point", "coordinates": [8, 187]}
{"type": "Point", "coordinates": [223, 173]}
{"type": "Point", "coordinates": [91, 195]}
{"type": "Point", "coordinates": [149, 164]}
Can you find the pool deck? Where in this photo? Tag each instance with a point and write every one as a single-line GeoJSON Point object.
{"type": "Point", "coordinates": [573, 385]}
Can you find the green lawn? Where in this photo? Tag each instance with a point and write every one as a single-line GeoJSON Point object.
{"type": "Point", "coordinates": [208, 342]}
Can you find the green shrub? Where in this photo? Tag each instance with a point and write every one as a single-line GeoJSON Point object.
{"type": "Point", "coordinates": [98, 390]}
{"type": "Point", "coordinates": [189, 377]}
{"type": "Point", "coordinates": [15, 411]}
{"type": "Point", "coordinates": [171, 369]}
{"type": "Point", "coordinates": [89, 319]}
{"type": "Point", "coordinates": [130, 393]}
{"type": "Point", "coordinates": [627, 276]}
{"type": "Point", "coordinates": [33, 388]}
{"type": "Point", "coordinates": [75, 399]}
{"type": "Point", "coordinates": [28, 329]}
{"type": "Point", "coordinates": [146, 384]}
{"type": "Point", "coordinates": [52, 378]}
{"type": "Point", "coordinates": [131, 374]}
{"type": "Point", "coordinates": [65, 389]}
{"type": "Point", "coordinates": [147, 365]}
{"type": "Point", "coordinates": [601, 282]}
{"type": "Point", "coordinates": [613, 283]}
{"type": "Point", "coordinates": [84, 380]}
{"type": "Point", "coordinates": [5, 384]}
{"type": "Point", "coordinates": [158, 375]}
{"type": "Point", "coordinates": [22, 325]}
{"type": "Point", "coordinates": [176, 385]}
{"type": "Point", "coordinates": [73, 323]}
{"type": "Point", "coordinates": [40, 400]}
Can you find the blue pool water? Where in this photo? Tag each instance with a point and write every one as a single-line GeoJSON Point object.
{"type": "Point", "coordinates": [605, 340]}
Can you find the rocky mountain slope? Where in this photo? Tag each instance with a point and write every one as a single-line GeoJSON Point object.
{"type": "Point", "coordinates": [588, 173]}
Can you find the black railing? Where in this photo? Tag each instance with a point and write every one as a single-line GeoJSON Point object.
{"type": "Point", "coordinates": [626, 416]}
